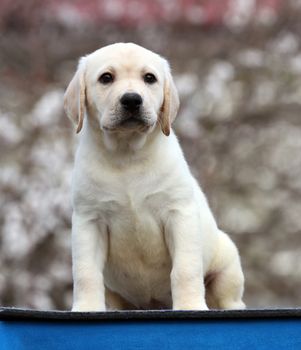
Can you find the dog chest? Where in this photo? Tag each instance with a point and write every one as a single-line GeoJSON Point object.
{"type": "Point", "coordinates": [138, 259]}
{"type": "Point", "coordinates": [136, 234]}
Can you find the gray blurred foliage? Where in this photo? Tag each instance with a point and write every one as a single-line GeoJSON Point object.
{"type": "Point", "coordinates": [239, 125]}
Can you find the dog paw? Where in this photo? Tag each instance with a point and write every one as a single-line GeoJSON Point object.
{"type": "Point", "coordinates": [233, 305]}
{"type": "Point", "coordinates": [88, 307]}
{"type": "Point", "coordinates": [191, 306]}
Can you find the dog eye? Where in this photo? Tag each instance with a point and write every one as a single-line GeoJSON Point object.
{"type": "Point", "coordinates": [149, 78]}
{"type": "Point", "coordinates": [106, 78]}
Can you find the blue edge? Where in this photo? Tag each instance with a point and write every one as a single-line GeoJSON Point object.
{"type": "Point", "coordinates": [241, 329]}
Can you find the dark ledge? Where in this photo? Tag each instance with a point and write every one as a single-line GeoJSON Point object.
{"type": "Point", "coordinates": [16, 314]}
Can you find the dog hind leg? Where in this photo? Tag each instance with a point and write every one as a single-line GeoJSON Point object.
{"type": "Point", "coordinates": [225, 281]}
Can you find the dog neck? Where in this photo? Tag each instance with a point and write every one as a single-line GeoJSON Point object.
{"type": "Point", "coordinates": [115, 142]}
{"type": "Point", "coordinates": [122, 148]}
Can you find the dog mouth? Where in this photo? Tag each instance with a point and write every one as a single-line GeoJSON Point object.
{"type": "Point", "coordinates": [132, 122]}
{"type": "Point", "coordinates": [129, 121]}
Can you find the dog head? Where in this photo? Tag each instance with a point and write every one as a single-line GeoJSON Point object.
{"type": "Point", "coordinates": [125, 88]}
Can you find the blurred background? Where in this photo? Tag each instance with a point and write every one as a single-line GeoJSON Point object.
{"type": "Point", "coordinates": [237, 66]}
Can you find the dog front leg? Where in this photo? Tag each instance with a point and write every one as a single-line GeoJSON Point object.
{"type": "Point", "coordinates": [89, 252]}
{"type": "Point", "coordinates": [184, 242]}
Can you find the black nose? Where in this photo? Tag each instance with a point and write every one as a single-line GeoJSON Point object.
{"type": "Point", "coordinates": [131, 101]}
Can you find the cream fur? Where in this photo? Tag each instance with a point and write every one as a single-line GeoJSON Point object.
{"type": "Point", "coordinates": [143, 235]}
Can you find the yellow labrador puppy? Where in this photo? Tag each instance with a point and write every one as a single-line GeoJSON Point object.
{"type": "Point", "coordinates": [143, 236]}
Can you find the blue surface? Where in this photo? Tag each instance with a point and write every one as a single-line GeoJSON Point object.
{"type": "Point", "coordinates": [152, 334]}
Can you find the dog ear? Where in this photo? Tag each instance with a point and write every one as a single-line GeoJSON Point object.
{"type": "Point", "coordinates": [75, 97]}
{"type": "Point", "coordinates": [170, 104]}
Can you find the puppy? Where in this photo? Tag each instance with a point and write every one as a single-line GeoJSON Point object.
{"type": "Point", "coordinates": [143, 235]}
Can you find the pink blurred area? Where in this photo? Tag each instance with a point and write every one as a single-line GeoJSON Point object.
{"type": "Point", "coordinates": [134, 12]}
